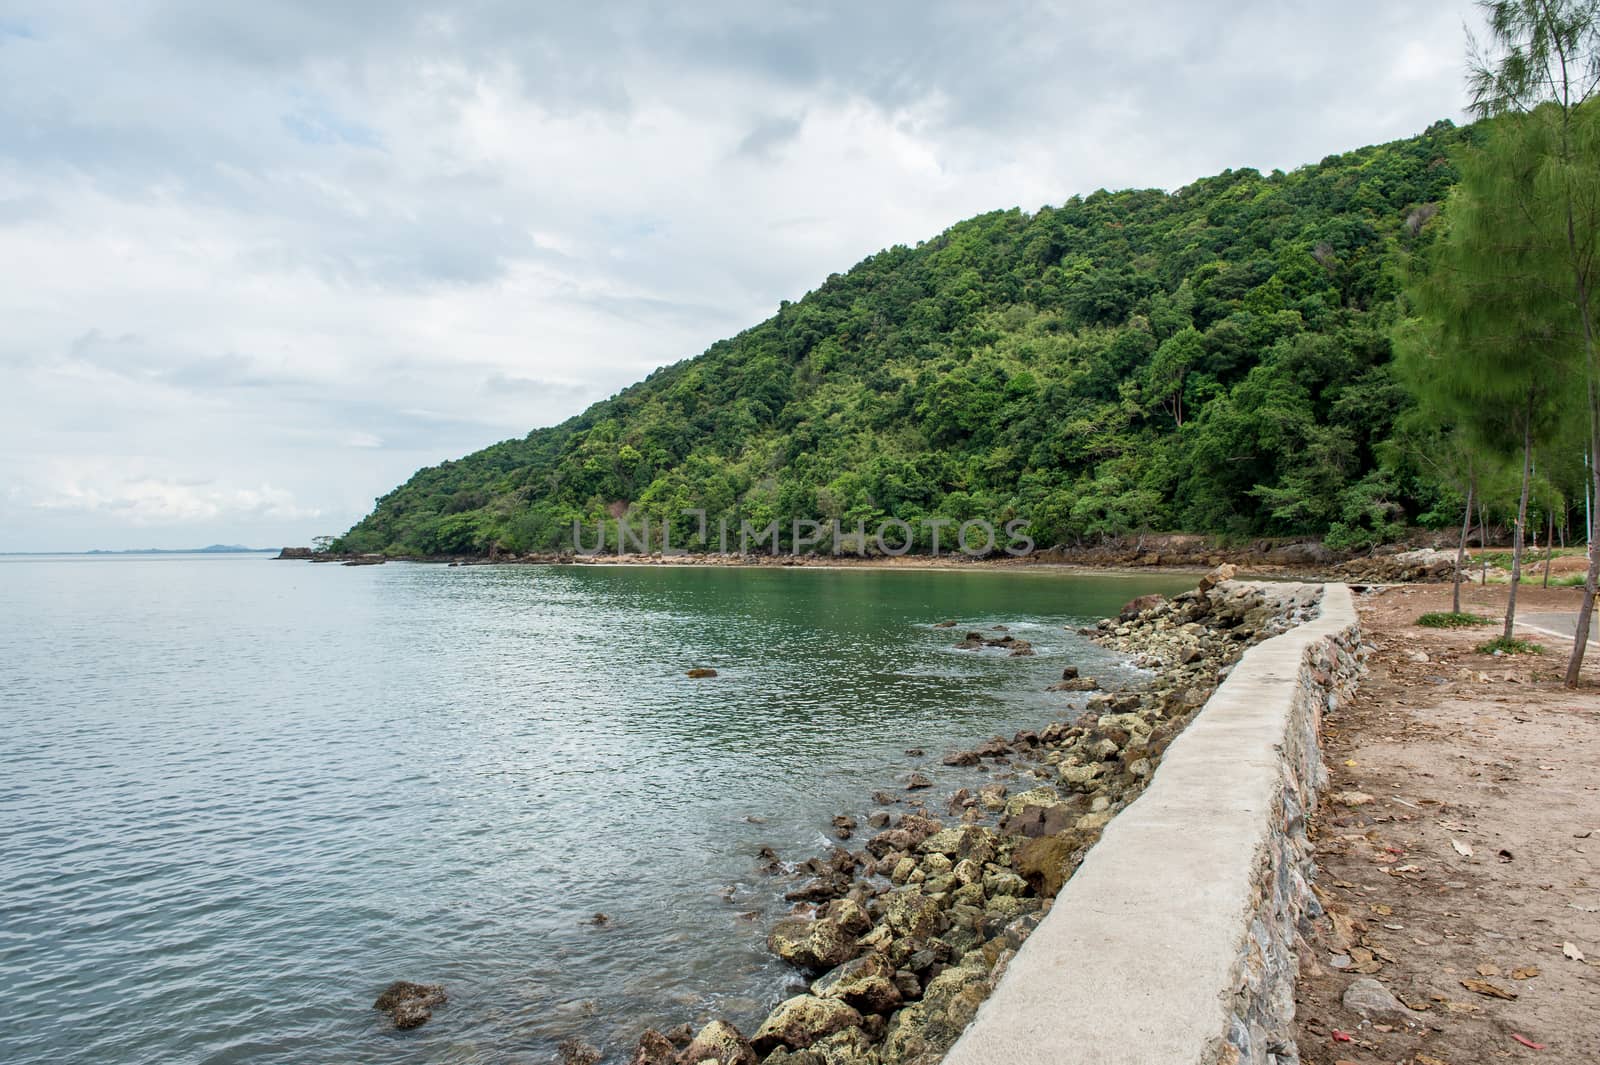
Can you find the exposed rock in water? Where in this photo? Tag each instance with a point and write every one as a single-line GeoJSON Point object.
{"type": "Point", "coordinates": [811, 944]}
{"type": "Point", "coordinates": [700, 671]}
{"type": "Point", "coordinates": [949, 624]}
{"type": "Point", "coordinates": [1022, 649]}
{"type": "Point", "coordinates": [844, 826]}
{"type": "Point", "coordinates": [654, 1049]}
{"type": "Point", "coordinates": [577, 1052]}
{"type": "Point", "coordinates": [410, 1005]}
{"type": "Point", "coordinates": [722, 1043]}
{"type": "Point", "coordinates": [1076, 684]}
{"type": "Point", "coordinates": [917, 780]}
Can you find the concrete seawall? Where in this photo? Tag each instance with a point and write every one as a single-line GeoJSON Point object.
{"type": "Point", "coordinates": [1174, 942]}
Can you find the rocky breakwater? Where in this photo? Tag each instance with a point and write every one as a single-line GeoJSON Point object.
{"type": "Point", "coordinates": [901, 941]}
{"type": "Point", "coordinates": [1175, 940]}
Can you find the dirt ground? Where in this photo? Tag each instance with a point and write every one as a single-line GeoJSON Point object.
{"type": "Point", "coordinates": [1458, 846]}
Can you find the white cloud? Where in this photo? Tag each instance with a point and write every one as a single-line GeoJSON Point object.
{"type": "Point", "coordinates": [141, 501]}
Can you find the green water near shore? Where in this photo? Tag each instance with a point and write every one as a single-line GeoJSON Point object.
{"type": "Point", "coordinates": [243, 795]}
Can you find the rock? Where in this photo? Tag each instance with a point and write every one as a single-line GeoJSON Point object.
{"type": "Point", "coordinates": [1022, 649]}
{"type": "Point", "coordinates": [820, 889]}
{"type": "Point", "coordinates": [700, 671]}
{"type": "Point", "coordinates": [1042, 861]}
{"type": "Point", "coordinates": [1069, 673]}
{"type": "Point", "coordinates": [944, 624]}
{"type": "Point", "coordinates": [843, 826]}
{"type": "Point", "coordinates": [654, 1049]}
{"type": "Point", "coordinates": [915, 752]}
{"type": "Point", "coordinates": [1310, 553]}
{"type": "Point", "coordinates": [1134, 607]}
{"type": "Point", "coordinates": [867, 983]}
{"type": "Point", "coordinates": [577, 1052]}
{"type": "Point", "coordinates": [1224, 572]}
{"type": "Point", "coordinates": [1076, 684]}
{"type": "Point", "coordinates": [1372, 1000]}
{"type": "Point", "coordinates": [410, 1005]}
{"type": "Point", "coordinates": [820, 945]}
{"type": "Point", "coordinates": [801, 1021]}
{"type": "Point", "coordinates": [720, 1042]}
{"type": "Point", "coordinates": [912, 914]}
{"type": "Point", "coordinates": [916, 781]}
{"type": "Point", "coordinates": [878, 818]}
{"type": "Point", "coordinates": [972, 641]}
{"type": "Point", "coordinates": [921, 1033]}
{"type": "Point", "coordinates": [1353, 798]}
{"type": "Point", "coordinates": [962, 758]}
{"type": "Point", "coordinates": [850, 916]}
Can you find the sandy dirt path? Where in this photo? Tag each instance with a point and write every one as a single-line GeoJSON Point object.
{"type": "Point", "coordinates": [1458, 847]}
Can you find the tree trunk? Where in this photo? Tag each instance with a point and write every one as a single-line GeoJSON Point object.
{"type": "Point", "coordinates": [1461, 551]}
{"type": "Point", "coordinates": [1522, 520]}
{"type": "Point", "coordinates": [1591, 579]}
{"type": "Point", "coordinates": [1549, 547]}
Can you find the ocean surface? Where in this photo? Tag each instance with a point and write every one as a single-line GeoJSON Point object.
{"type": "Point", "coordinates": [239, 796]}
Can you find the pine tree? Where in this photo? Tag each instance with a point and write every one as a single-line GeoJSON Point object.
{"type": "Point", "coordinates": [1541, 68]}
{"type": "Point", "coordinates": [1499, 347]}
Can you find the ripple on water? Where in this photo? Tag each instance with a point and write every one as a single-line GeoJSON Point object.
{"type": "Point", "coordinates": [241, 796]}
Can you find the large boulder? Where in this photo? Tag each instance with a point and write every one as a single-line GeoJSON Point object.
{"type": "Point", "coordinates": [1134, 607]}
{"type": "Point", "coordinates": [654, 1049]}
{"type": "Point", "coordinates": [720, 1042]}
{"type": "Point", "coordinates": [803, 1020]}
{"type": "Point", "coordinates": [912, 915]}
{"type": "Point", "coordinates": [921, 1033]}
{"type": "Point", "coordinates": [867, 983]}
{"type": "Point", "coordinates": [812, 944]}
{"type": "Point", "coordinates": [1044, 861]}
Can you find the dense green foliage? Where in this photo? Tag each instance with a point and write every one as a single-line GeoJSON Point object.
{"type": "Point", "coordinates": [1214, 359]}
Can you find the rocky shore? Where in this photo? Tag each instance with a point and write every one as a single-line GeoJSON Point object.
{"type": "Point", "coordinates": [1269, 558]}
{"type": "Point", "coordinates": [903, 938]}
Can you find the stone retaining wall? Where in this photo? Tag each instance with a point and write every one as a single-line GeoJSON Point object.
{"type": "Point", "coordinates": [1174, 943]}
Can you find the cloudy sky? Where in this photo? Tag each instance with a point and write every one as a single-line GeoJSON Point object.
{"type": "Point", "coordinates": [259, 262]}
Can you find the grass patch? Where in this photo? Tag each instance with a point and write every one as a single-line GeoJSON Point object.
{"type": "Point", "coordinates": [1451, 621]}
{"type": "Point", "coordinates": [1512, 646]}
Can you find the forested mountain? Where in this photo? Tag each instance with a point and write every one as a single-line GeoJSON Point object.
{"type": "Point", "coordinates": [1214, 359]}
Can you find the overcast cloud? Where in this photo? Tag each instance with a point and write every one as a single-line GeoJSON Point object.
{"type": "Point", "coordinates": [259, 262]}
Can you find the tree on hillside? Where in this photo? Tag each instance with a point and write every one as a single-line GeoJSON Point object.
{"type": "Point", "coordinates": [1541, 68]}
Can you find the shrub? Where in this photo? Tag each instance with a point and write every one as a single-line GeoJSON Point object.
{"type": "Point", "coordinates": [1451, 621]}
{"type": "Point", "coordinates": [1512, 646]}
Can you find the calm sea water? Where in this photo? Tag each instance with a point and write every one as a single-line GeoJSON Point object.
{"type": "Point", "coordinates": [239, 796]}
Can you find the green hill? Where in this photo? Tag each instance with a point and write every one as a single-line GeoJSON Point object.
{"type": "Point", "coordinates": [1215, 359]}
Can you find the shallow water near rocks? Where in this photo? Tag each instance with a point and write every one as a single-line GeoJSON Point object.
{"type": "Point", "coordinates": [242, 796]}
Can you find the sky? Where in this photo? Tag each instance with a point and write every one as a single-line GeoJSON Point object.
{"type": "Point", "coordinates": [261, 262]}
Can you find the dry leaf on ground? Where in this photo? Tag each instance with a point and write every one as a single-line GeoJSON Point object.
{"type": "Point", "coordinates": [1484, 987]}
{"type": "Point", "coordinates": [1571, 951]}
{"type": "Point", "coordinates": [1461, 848]}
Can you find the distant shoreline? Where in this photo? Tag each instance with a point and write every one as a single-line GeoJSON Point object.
{"type": "Point", "coordinates": [100, 551]}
